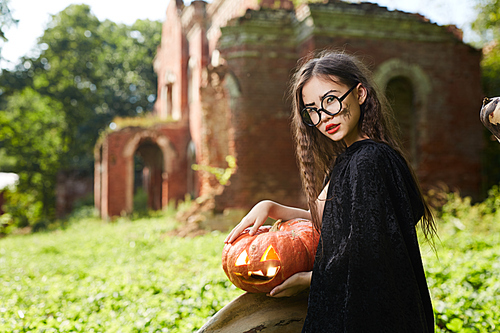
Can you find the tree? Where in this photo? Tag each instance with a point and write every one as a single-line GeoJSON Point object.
{"type": "Point", "coordinates": [98, 70]}
{"type": "Point", "coordinates": [6, 21]}
{"type": "Point", "coordinates": [31, 130]}
{"type": "Point", "coordinates": [487, 25]}
{"type": "Point", "coordinates": [87, 72]}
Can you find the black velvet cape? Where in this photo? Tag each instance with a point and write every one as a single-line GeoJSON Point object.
{"type": "Point", "coordinates": [368, 274]}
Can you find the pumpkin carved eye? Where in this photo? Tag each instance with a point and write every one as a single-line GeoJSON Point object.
{"type": "Point", "coordinates": [270, 254]}
{"type": "Point", "coordinates": [242, 259]}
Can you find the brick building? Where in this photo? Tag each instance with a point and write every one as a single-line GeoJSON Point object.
{"type": "Point", "coordinates": [223, 69]}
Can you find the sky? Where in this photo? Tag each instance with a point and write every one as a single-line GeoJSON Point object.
{"type": "Point", "coordinates": [33, 16]}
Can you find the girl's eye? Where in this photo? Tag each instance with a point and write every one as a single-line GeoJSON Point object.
{"type": "Point", "coordinates": [329, 99]}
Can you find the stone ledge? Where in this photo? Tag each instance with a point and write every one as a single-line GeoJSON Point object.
{"type": "Point", "coordinates": [260, 313]}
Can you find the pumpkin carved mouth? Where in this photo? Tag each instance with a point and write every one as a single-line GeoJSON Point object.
{"type": "Point", "coordinates": [259, 277]}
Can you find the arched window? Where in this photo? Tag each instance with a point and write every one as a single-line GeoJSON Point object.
{"type": "Point", "coordinates": [166, 96]}
{"type": "Point", "coordinates": [400, 94]}
{"type": "Point", "coordinates": [408, 88]}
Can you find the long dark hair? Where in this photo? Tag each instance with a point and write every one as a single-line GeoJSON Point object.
{"type": "Point", "coordinates": [316, 153]}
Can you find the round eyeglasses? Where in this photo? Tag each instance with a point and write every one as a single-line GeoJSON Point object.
{"type": "Point", "coordinates": [330, 104]}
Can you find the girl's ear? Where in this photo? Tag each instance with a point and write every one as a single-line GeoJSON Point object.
{"type": "Point", "coordinates": [362, 93]}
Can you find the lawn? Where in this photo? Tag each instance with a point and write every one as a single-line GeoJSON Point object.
{"type": "Point", "coordinates": [134, 276]}
{"type": "Point", "coordinates": [111, 277]}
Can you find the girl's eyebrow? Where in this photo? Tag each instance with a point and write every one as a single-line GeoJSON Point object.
{"type": "Point", "coordinates": [321, 97]}
{"type": "Point", "coordinates": [329, 91]}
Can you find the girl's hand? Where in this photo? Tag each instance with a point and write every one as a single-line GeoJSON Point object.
{"type": "Point", "coordinates": [293, 285]}
{"type": "Point", "coordinates": [256, 218]}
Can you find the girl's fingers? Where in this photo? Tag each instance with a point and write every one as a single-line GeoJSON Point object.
{"type": "Point", "coordinates": [235, 232]}
{"type": "Point", "coordinates": [229, 238]}
{"type": "Point", "coordinates": [255, 227]}
{"type": "Point", "coordinates": [276, 290]}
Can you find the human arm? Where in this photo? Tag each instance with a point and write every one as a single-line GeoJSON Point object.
{"type": "Point", "coordinates": [260, 212]}
{"type": "Point", "coordinates": [264, 209]}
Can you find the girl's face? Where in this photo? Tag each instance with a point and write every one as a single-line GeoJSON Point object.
{"type": "Point", "coordinates": [344, 125]}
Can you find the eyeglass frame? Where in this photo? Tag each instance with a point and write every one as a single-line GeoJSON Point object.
{"type": "Point", "coordinates": [321, 109]}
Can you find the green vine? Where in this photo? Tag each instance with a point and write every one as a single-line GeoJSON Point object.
{"type": "Point", "coordinates": [222, 175]}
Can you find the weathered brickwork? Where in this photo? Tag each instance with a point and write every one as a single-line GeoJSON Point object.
{"type": "Point", "coordinates": [114, 168]}
{"type": "Point", "coordinates": [223, 70]}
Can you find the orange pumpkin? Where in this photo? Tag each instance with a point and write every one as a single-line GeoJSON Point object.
{"type": "Point", "coordinates": [260, 262]}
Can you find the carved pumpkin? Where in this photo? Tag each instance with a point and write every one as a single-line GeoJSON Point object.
{"type": "Point", "coordinates": [260, 262]}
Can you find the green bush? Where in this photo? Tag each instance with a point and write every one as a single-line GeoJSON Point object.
{"type": "Point", "coordinates": [24, 210]}
{"type": "Point", "coordinates": [464, 279]}
{"type": "Point", "coordinates": [459, 213]}
{"type": "Point", "coordinates": [464, 272]}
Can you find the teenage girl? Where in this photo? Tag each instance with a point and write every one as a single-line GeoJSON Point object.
{"type": "Point", "coordinates": [362, 195]}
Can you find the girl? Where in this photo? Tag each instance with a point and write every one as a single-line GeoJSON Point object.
{"type": "Point", "coordinates": [368, 274]}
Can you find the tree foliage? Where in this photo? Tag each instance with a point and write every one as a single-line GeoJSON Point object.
{"type": "Point", "coordinates": [97, 70]}
{"type": "Point", "coordinates": [31, 130]}
{"type": "Point", "coordinates": [6, 21]}
{"type": "Point", "coordinates": [87, 72]}
{"type": "Point", "coordinates": [487, 25]}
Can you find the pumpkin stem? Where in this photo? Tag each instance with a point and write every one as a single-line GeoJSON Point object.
{"type": "Point", "coordinates": [276, 225]}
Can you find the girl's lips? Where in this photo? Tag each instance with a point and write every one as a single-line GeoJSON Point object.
{"type": "Point", "coordinates": [332, 128]}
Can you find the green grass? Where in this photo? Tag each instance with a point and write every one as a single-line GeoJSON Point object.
{"type": "Point", "coordinates": [132, 276]}
{"type": "Point", "coordinates": [111, 277]}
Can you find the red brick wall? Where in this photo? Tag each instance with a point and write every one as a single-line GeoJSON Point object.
{"type": "Point", "coordinates": [263, 144]}
{"type": "Point", "coordinates": [171, 62]}
{"type": "Point", "coordinates": [450, 150]}
{"type": "Point", "coordinates": [244, 111]}
{"type": "Point", "coordinates": [449, 143]}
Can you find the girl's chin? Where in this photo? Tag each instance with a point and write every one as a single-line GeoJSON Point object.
{"type": "Point", "coordinates": [335, 136]}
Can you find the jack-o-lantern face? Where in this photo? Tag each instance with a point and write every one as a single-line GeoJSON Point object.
{"type": "Point", "coordinates": [259, 263]}
{"type": "Point", "coordinates": [262, 272]}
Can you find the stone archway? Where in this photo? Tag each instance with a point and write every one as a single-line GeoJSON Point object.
{"type": "Point", "coordinates": [114, 168]}
{"type": "Point", "coordinates": [158, 154]}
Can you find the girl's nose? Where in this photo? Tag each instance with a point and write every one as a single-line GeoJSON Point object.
{"type": "Point", "coordinates": [325, 116]}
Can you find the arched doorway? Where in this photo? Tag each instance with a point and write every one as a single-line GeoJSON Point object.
{"type": "Point", "coordinates": [148, 176]}
{"type": "Point", "coordinates": [400, 94]}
